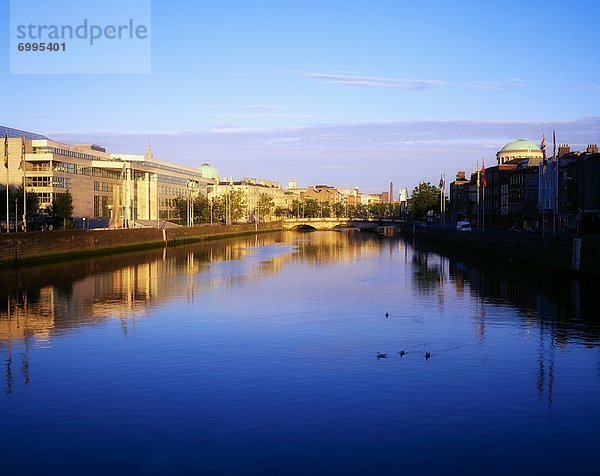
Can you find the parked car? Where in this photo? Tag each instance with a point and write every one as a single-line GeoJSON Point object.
{"type": "Point", "coordinates": [463, 226]}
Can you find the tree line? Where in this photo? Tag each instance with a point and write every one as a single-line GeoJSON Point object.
{"type": "Point", "coordinates": [59, 214]}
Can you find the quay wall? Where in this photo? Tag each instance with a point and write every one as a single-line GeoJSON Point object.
{"type": "Point", "coordinates": [18, 248]}
{"type": "Point", "coordinates": [555, 252]}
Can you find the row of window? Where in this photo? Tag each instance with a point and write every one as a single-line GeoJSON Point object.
{"type": "Point", "coordinates": [65, 153]}
{"type": "Point", "coordinates": [174, 180]}
{"type": "Point", "coordinates": [516, 179]}
{"type": "Point", "coordinates": [98, 172]}
{"type": "Point", "coordinates": [167, 202]}
{"type": "Point", "coordinates": [172, 191]}
{"type": "Point", "coordinates": [103, 187]}
{"type": "Point", "coordinates": [56, 182]}
{"type": "Point", "coordinates": [101, 206]}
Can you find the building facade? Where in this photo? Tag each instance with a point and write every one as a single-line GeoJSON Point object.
{"type": "Point", "coordinates": [115, 189]}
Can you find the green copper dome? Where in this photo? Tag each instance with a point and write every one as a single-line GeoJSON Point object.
{"type": "Point", "coordinates": [520, 144]}
{"type": "Point", "coordinates": [209, 172]}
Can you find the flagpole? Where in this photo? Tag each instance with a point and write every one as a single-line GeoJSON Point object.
{"type": "Point", "coordinates": [24, 185]}
{"type": "Point", "coordinates": [483, 182]}
{"type": "Point", "coordinates": [555, 165]}
{"type": "Point", "coordinates": [556, 195]}
{"type": "Point", "coordinates": [542, 185]}
{"type": "Point", "coordinates": [6, 166]}
{"type": "Point", "coordinates": [478, 218]}
{"type": "Point", "coordinates": [7, 203]}
{"type": "Point", "coordinates": [444, 200]}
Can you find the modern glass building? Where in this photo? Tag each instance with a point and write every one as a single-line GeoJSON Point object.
{"type": "Point", "coordinates": [124, 189]}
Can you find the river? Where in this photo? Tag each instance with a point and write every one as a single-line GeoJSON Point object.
{"type": "Point", "coordinates": [265, 355]}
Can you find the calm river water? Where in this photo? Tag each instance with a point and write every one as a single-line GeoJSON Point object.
{"type": "Point", "coordinates": [259, 355]}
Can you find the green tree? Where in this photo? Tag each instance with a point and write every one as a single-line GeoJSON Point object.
{"type": "Point", "coordinates": [266, 204]}
{"type": "Point", "coordinates": [310, 208]}
{"type": "Point", "coordinates": [425, 197]}
{"type": "Point", "coordinates": [201, 208]}
{"type": "Point", "coordinates": [180, 205]}
{"type": "Point", "coordinates": [218, 208]}
{"type": "Point", "coordinates": [237, 205]}
{"type": "Point", "coordinates": [338, 209]}
{"type": "Point", "coordinates": [61, 210]}
{"type": "Point", "coordinates": [325, 211]}
{"type": "Point", "coordinates": [281, 212]}
{"type": "Point", "coordinates": [296, 209]}
{"type": "Point", "coordinates": [33, 201]}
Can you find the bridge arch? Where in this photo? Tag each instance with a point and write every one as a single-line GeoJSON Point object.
{"type": "Point", "coordinates": [303, 227]}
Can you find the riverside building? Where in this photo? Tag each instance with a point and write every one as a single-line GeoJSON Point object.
{"type": "Point", "coordinates": [114, 190]}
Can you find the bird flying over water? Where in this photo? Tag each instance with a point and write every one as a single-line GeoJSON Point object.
{"type": "Point", "coordinates": [401, 353]}
{"type": "Point", "coordinates": [387, 314]}
{"type": "Point", "coordinates": [381, 355]}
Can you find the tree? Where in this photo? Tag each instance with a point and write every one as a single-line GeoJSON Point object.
{"type": "Point", "coordinates": [266, 204]}
{"type": "Point", "coordinates": [425, 197]}
{"type": "Point", "coordinates": [62, 208]}
{"type": "Point", "coordinates": [311, 208]}
{"type": "Point", "coordinates": [218, 208]}
{"type": "Point", "coordinates": [33, 201]}
{"type": "Point", "coordinates": [201, 207]}
{"type": "Point", "coordinates": [281, 212]}
{"type": "Point", "coordinates": [296, 209]}
{"type": "Point", "coordinates": [338, 209]}
{"type": "Point", "coordinates": [180, 205]}
{"type": "Point", "coordinates": [237, 205]}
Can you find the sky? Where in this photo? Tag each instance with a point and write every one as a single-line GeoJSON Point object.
{"type": "Point", "coordinates": [348, 93]}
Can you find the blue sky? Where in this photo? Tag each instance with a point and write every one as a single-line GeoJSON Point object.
{"type": "Point", "coordinates": [349, 93]}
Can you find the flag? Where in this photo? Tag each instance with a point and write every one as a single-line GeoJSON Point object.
{"type": "Point", "coordinates": [6, 150]}
{"type": "Point", "coordinates": [483, 179]}
{"type": "Point", "coordinates": [543, 147]}
{"type": "Point", "coordinates": [441, 185]}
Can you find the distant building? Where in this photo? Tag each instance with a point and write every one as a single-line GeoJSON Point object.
{"type": "Point", "coordinates": [116, 189]}
{"type": "Point", "coordinates": [322, 194]}
{"type": "Point", "coordinates": [509, 197]}
{"type": "Point", "coordinates": [579, 191]}
{"type": "Point", "coordinates": [520, 149]}
{"type": "Point", "coordinates": [253, 189]}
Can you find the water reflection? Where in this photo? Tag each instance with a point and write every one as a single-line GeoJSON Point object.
{"type": "Point", "coordinates": [558, 308]}
{"type": "Point", "coordinates": [38, 303]}
{"type": "Point", "coordinates": [253, 352]}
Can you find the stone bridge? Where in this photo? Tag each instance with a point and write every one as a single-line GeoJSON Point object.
{"type": "Point", "coordinates": [338, 223]}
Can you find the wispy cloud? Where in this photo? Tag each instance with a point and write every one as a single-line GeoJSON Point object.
{"type": "Point", "coordinates": [260, 107]}
{"type": "Point", "coordinates": [365, 154]}
{"type": "Point", "coordinates": [357, 81]}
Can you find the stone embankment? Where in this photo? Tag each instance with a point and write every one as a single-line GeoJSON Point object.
{"type": "Point", "coordinates": [21, 248]}
{"type": "Point", "coordinates": [578, 254]}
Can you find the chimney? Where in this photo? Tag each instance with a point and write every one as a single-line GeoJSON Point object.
{"type": "Point", "coordinates": [563, 149]}
{"type": "Point", "coordinates": [391, 192]}
{"type": "Point", "coordinates": [592, 149]}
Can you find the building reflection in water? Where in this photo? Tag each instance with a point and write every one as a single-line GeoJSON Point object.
{"type": "Point", "coordinates": [41, 301]}
{"type": "Point", "coordinates": [558, 307]}
{"type": "Point", "coordinates": [37, 303]}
